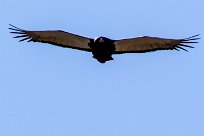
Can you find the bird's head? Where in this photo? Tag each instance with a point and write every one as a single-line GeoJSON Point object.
{"type": "Point", "coordinates": [101, 39]}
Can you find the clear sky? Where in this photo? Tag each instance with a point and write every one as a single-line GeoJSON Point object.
{"type": "Point", "coordinates": [51, 91]}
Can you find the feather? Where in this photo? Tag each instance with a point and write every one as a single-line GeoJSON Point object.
{"type": "Point", "coordinates": [24, 39]}
{"type": "Point", "coordinates": [186, 46]}
{"type": "Point", "coordinates": [182, 48]}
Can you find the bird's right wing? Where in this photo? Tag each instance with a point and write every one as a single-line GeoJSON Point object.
{"type": "Point", "coordinates": [55, 37]}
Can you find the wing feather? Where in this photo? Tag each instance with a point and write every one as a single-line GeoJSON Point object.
{"type": "Point", "coordinates": [55, 37]}
{"type": "Point", "coordinates": [148, 44]}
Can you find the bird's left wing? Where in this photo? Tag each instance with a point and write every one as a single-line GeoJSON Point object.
{"type": "Point", "coordinates": [147, 44]}
{"type": "Point", "coordinates": [55, 37]}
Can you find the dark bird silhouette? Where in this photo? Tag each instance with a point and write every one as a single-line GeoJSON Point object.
{"type": "Point", "coordinates": [103, 48]}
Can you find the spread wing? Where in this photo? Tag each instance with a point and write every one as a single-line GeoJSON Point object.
{"type": "Point", "coordinates": [55, 37]}
{"type": "Point", "coordinates": [147, 44]}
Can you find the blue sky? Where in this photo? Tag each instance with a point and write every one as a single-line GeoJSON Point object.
{"type": "Point", "coordinates": [50, 91]}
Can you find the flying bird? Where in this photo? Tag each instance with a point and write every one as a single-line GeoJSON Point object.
{"type": "Point", "coordinates": [103, 48]}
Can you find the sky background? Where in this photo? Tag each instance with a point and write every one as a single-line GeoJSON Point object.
{"type": "Point", "coordinates": [50, 91]}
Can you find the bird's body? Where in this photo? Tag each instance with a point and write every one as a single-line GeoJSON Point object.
{"type": "Point", "coordinates": [103, 48]}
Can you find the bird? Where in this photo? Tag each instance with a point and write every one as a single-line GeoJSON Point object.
{"type": "Point", "coordinates": [103, 48]}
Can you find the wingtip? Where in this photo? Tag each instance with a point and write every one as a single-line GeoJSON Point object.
{"type": "Point", "coordinates": [194, 37]}
{"type": "Point", "coordinates": [12, 27]}
{"type": "Point", "coordinates": [188, 40]}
